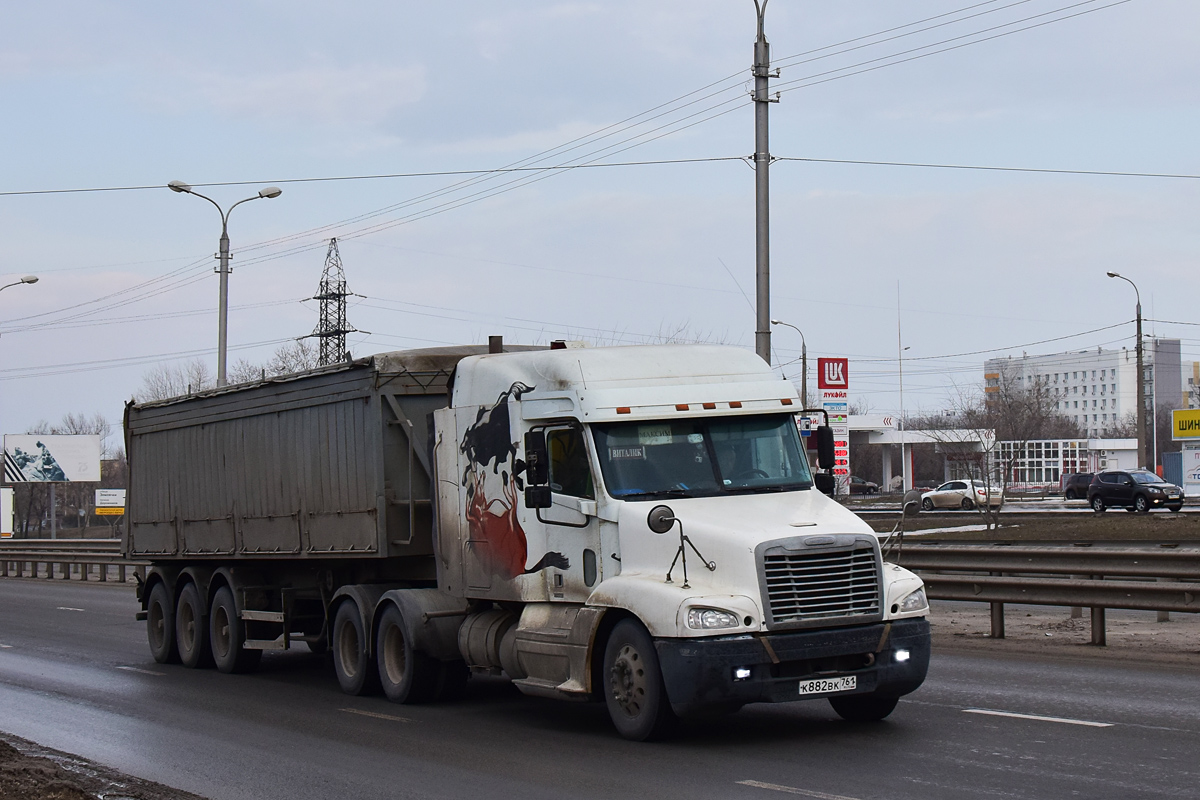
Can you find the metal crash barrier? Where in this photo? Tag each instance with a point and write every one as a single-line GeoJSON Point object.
{"type": "Point", "coordinates": [66, 559]}
{"type": "Point", "coordinates": [1148, 576]}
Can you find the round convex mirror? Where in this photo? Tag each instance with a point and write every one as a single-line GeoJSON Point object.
{"type": "Point", "coordinates": [660, 519]}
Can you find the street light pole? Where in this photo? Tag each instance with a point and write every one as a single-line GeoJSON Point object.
{"type": "Point", "coordinates": [26, 279]}
{"type": "Point", "coordinates": [762, 205]}
{"type": "Point", "coordinates": [1143, 448]}
{"type": "Point", "coordinates": [803, 361]}
{"type": "Point", "coordinates": [223, 256]}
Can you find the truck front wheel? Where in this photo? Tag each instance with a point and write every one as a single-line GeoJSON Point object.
{"type": "Point", "coordinates": [633, 684]}
{"type": "Point", "coordinates": [863, 707]}
{"type": "Point", "coordinates": [356, 672]}
{"type": "Point", "coordinates": [160, 625]}
{"type": "Point", "coordinates": [407, 675]}
{"type": "Point", "coordinates": [227, 634]}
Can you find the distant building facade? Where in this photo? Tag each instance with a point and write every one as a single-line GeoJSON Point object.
{"type": "Point", "coordinates": [1097, 389]}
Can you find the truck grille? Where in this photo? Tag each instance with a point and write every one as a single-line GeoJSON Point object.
{"type": "Point", "coordinates": [810, 586]}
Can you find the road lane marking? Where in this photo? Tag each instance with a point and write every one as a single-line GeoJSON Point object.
{"type": "Point", "coordinates": [374, 715]}
{"type": "Point", "coordinates": [6, 646]}
{"type": "Point", "coordinates": [775, 787]}
{"type": "Point", "coordinates": [68, 608]}
{"type": "Point", "coordinates": [1039, 719]}
{"type": "Point", "coordinates": [142, 671]}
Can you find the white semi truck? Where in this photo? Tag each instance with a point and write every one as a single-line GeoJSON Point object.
{"type": "Point", "coordinates": [634, 525]}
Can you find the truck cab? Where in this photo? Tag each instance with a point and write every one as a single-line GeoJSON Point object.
{"type": "Point", "coordinates": [642, 524]}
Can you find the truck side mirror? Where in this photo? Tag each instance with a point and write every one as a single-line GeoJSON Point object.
{"type": "Point", "coordinates": [537, 460]}
{"type": "Point", "coordinates": [824, 482]}
{"type": "Point", "coordinates": [538, 497]}
{"type": "Point", "coordinates": [825, 456]}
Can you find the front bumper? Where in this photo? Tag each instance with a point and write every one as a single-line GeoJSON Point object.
{"type": "Point", "coordinates": [699, 673]}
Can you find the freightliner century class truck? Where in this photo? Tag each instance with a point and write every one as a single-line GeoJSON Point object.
{"type": "Point", "coordinates": [633, 525]}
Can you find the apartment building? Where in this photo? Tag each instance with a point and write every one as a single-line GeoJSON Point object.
{"type": "Point", "coordinates": [1095, 388]}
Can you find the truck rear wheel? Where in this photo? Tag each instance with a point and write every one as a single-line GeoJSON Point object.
{"type": "Point", "coordinates": [633, 685]}
{"type": "Point", "coordinates": [160, 625]}
{"type": "Point", "coordinates": [407, 675]}
{"type": "Point", "coordinates": [191, 634]}
{"type": "Point", "coordinates": [863, 707]}
{"type": "Point", "coordinates": [356, 672]}
{"type": "Point", "coordinates": [227, 633]}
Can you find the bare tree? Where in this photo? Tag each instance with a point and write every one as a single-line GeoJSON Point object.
{"type": "Point", "coordinates": [988, 432]}
{"type": "Point", "coordinates": [295, 356]}
{"type": "Point", "coordinates": [175, 380]}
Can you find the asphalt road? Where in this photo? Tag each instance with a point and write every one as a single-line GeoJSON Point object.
{"type": "Point", "coordinates": [76, 675]}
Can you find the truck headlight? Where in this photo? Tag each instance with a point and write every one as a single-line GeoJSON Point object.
{"type": "Point", "coordinates": [711, 618]}
{"type": "Point", "coordinates": [914, 602]}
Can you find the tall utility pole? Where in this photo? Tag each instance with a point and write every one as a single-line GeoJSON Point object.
{"type": "Point", "coordinates": [332, 327]}
{"type": "Point", "coordinates": [762, 204]}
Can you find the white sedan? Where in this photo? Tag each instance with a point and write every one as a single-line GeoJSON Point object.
{"type": "Point", "coordinates": [962, 494]}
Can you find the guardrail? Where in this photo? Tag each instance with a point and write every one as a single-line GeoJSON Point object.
{"type": "Point", "coordinates": [1160, 577]}
{"type": "Point", "coordinates": [72, 557]}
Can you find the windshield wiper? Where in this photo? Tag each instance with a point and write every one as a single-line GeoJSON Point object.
{"type": "Point", "coordinates": [775, 487]}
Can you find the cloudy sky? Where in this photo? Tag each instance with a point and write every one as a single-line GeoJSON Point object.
{"type": "Point", "coordinates": [980, 263]}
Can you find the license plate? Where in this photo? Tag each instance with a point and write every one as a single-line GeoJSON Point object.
{"type": "Point", "coordinates": [1172, 497]}
{"type": "Point", "coordinates": [826, 685]}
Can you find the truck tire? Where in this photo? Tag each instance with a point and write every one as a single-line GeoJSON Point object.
{"type": "Point", "coordinates": [863, 707]}
{"type": "Point", "coordinates": [406, 675]}
{"type": "Point", "coordinates": [191, 634]}
{"type": "Point", "coordinates": [226, 633]}
{"type": "Point", "coordinates": [160, 625]}
{"type": "Point", "coordinates": [633, 685]}
{"type": "Point", "coordinates": [356, 673]}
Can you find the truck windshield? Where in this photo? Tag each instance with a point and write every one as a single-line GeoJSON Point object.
{"type": "Point", "coordinates": [701, 457]}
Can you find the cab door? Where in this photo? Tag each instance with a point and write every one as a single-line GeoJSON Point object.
{"type": "Point", "coordinates": [570, 524]}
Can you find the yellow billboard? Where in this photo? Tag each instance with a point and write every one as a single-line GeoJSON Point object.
{"type": "Point", "coordinates": [1185, 424]}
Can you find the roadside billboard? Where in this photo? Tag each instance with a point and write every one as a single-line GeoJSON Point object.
{"type": "Point", "coordinates": [1191, 469]}
{"type": "Point", "coordinates": [51, 458]}
{"type": "Point", "coordinates": [6, 513]}
{"type": "Point", "coordinates": [1185, 425]}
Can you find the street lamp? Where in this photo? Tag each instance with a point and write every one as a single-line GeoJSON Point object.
{"type": "Point", "coordinates": [26, 279]}
{"type": "Point", "coordinates": [223, 255]}
{"type": "Point", "coordinates": [1143, 443]}
{"type": "Point", "coordinates": [803, 360]}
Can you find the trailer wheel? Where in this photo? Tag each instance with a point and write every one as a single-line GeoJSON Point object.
{"type": "Point", "coordinates": [633, 685]}
{"type": "Point", "coordinates": [227, 633]}
{"type": "Point", "coordinates": [407, 675]}
{"type": "Point", "coordinates": [191, 634]}
{"type": "Point", "coordinates": [863, 707]}
{"type": "Point", "coordinates": [160, 625]}
{"type": "Point", "coordinates": [356, 672]}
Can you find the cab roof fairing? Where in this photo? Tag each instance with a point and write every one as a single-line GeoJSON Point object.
{"type": "Point", "coordinates": [591, 383]}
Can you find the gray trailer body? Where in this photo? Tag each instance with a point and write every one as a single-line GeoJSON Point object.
{"type": "Point", "coordinates": [329, 464]}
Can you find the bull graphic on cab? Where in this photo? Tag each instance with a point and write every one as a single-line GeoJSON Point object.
{"type": "Point", "coordinates": [492, 516]}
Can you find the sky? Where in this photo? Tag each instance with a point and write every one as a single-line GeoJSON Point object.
{"type": "Point", "coordinates": [955, 265]}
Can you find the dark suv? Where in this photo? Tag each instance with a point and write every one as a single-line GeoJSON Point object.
{"type": "Point", "coordinates": [1136, 490]}
{"type": "Point", "coordinates": [1075, 487]}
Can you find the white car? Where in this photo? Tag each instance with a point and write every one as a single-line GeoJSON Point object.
{"type": "Point", "coordinates": [962, 494]}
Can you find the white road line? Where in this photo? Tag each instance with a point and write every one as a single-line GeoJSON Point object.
{"type": "Point", "coordinates": [6, 646]}
{"type": "Point", "coordinates": [142, 671]}
{"type": "Point", "coordinates": [374, 715]}
{"type": "Point", "coordinates": [67, 608]}
{"type": "Point", "coordinates": [775, 787]}
{"type": "Point", "coordinates": [1039, 719]}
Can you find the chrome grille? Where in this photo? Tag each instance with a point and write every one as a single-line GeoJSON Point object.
{"type": "Point", "coordinates": [821, 585]}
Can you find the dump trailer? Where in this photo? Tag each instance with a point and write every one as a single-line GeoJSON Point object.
{"type": "Point", "coordinates": [639, 526]}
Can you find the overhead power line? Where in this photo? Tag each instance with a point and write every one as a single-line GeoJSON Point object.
{"type": "Point", "coordinates": [992, 168]}
{"type": "Point", "coordinates": [382, 176]}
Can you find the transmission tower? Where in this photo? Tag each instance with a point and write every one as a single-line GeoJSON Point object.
{"type": "Point", "coordinates": [332, 328]}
